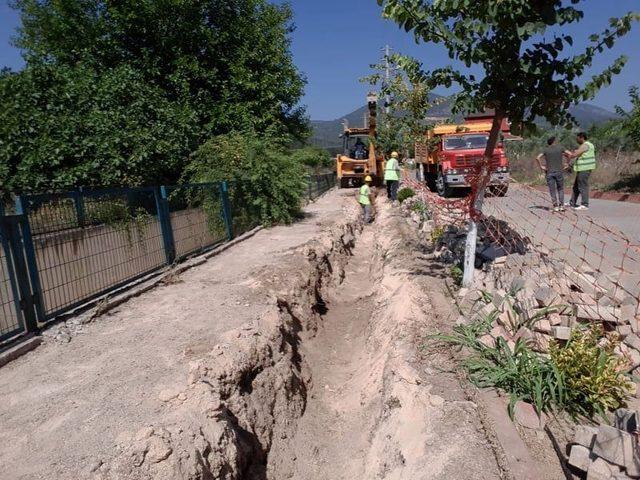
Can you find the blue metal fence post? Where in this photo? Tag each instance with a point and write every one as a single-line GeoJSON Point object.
{"type": "Point", "coordinates": [226, 209]}
{"type": "Point", "coordinates": [78, 202]}
{"type": "Point", "coordinates": [22, 290]}
{"type": "Point", "coordinates": [162, 207]}
{"type": "Point", "coordinates": [32, 264]}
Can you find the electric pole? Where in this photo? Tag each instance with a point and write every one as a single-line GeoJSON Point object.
{"type": "Point", "coordinates": [387, 98]}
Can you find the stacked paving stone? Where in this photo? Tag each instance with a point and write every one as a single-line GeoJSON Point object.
{"type": "Point", "coordinates": [608, 452]}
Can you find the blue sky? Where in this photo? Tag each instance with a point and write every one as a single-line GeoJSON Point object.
{"type": "Point", "coordinates": [337, 40]}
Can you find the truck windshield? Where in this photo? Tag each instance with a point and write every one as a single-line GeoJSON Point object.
{"type": "Point", "coordinates": [465, 142]}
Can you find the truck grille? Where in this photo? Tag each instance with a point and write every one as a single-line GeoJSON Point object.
{"type": "Point", "coordinates": [465, 161]}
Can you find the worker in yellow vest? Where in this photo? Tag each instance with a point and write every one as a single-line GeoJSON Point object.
{"type": "Point", "coordinates": [392, 176]}
{"type": "Point", "coordinates": [583, 163]}
{"type": "Point", "coordinates": [365, 199]}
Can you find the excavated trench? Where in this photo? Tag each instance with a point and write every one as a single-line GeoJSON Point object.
{"type": "Point", "coordinates": [321, 387]}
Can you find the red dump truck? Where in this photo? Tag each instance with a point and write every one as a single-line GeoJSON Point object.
{"type": "Point", "coordinates": [451, 152]}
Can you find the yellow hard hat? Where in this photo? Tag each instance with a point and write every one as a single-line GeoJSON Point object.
{"type": "Point", "coordinates": [368, 179]}
{"type": "Point", "coordinates": [394, 154]}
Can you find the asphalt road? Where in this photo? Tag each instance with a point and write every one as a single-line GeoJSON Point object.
{"type": "Point", "coordinates": [604, 241]}
{"type": "Point", "coordinates": [623, 216]}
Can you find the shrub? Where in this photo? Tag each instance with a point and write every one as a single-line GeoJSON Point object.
{"type": "Point", "coordinates": [436, 235]}
{"type": "Point", "coordinates": [405, 193]}
{"type": "Point", "coordinates": [592, 373]}
{"type": "Point", "coordinates": [456, 274]}
{"type": "Point", "coordinates": [268, 184]}
{"type": "Point", "coordinates": [580, 378]}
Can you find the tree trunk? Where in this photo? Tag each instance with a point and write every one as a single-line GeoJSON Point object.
{"type": "Point", "coordinates": [477, 199]}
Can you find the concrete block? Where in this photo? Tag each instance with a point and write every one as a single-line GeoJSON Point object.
{"type": "Point", "coordinates": [561, 333]}
{"type": "Point", "coordinates": [525, 415]}
{"type": "Point", "coordinates": [601, 470]}
{"type": "Point", "coordinates": [543, 326]}
{"type": "Point", "coordinates": [555, 319]}
{"type": "Point", "coordinates": [580, 457]}
{"type": "Point", "coordinates": [498, 331]}
{"type": "Point", "coordinates": [585, 435]}
{"type": "Point", "coordinates": [624, 331]}
{"type": "Point", "coordinates": [632, 341]}
{"type": "Point", "coordinates": [487, 341]}
{"type": "Point", "coordinates": [21, 348]}
{"type": "Point", "coordinates": [626, 420]}
{"type": "Point", "coordinates": [628, 313]}
{"type": "Point", "coordinates": [540, 342]}
{"type": "Point", "coordinates": [582, 299]}
{"type": "Point", "coordinates": [507, 319]}
{"type": "Point", "coordinates": [617, 447]}
{"type": "Point", "coordinates": [545, 296]}
{"type": "Point", "coordinates": [597, 313]}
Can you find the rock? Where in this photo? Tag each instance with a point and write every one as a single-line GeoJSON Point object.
{"type": "Point", "coordinates": [580, 457]}
{"type": "Point", "coordinates": [95, 466]}
{"type": "Point", "coordinates": [561, 333]}
{"type": "Point", "coordinates": [436, 400]}
{"type": "Point", "coordinates": [525, 415]}
{"type": "Point", "coordinates": [617, 447]}
{"type": "Point", "coordinates": [463, 292]}
{"type": "Point", "coordinates": [145, 432]}
{"type": "Point", "coordinates": [626, 420]}
{"type": "Point", "coordinates": [601, 470]}
{"type": "Point", "coordinates": [158, 450]}
{"type": "Point", "coordinates": [168, 394]}
{"type": "Point", "coordinates": [585, 435]}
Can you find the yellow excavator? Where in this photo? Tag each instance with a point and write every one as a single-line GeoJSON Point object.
{"type": "Point", "coordinates": [359, 157]}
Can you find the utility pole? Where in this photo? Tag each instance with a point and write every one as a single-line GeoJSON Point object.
{"type": "Point", "coordinates": [387, 68]}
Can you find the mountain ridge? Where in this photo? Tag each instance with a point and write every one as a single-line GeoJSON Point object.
{"type": "Point", "coordinates": [326, 132]}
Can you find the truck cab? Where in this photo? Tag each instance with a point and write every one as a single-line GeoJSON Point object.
{"type": "Point", "coordinates": [451, 153]}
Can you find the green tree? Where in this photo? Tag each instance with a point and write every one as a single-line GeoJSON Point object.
{"type": "Point", "coordinates": [631, 120]}
{"type": "Point", "coordinates": [213, 66]}
{"type": "Point", "coordinates": [268, 181]}
{"type": "Point", "coordinates": [313, 157]}
{"type": "Point", "coordinates": [410, 99]}
{"type": "Point", "coordinates": [526, 73]}
{"type": "Point", "coordinates": [62, 127]}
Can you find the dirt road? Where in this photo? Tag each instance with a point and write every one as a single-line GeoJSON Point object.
{"type": "Point", "coordinates": [292, 355]}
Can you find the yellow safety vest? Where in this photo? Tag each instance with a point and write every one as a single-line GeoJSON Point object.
{"type": "Point", "coordinates": [364, 195]}
{"type": "Point", "coordinates": [390, 170]}
{"type": "Point", "coordinates": [586, 161]}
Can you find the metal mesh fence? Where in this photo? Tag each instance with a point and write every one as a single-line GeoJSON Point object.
{"type": "Point", "coordinates": [86, 244]}
{"type": "Point", "coordinates": [319, 184]}
{"type": "Point", "coordinates": [196, 217]}
{"type": "Point", "coordinates": [75, 246]}
{"type": "Point", "coordinates": [589, 262]}
{"type": "Point", "coordinates": [9, 320]}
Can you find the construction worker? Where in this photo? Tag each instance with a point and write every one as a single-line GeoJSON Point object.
{"type": "Point", "coordinates": [584, 162]}
{"type": "Point", "coordinates": [365, 199]}
{"type": "Point", "coordinates": [392, 176]}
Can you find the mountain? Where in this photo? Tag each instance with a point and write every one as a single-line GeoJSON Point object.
{"type": "Point", "coordinates": [326, 133]}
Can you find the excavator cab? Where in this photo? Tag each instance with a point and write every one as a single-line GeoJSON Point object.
{"type": "Point", "coordinates": [359, 157]}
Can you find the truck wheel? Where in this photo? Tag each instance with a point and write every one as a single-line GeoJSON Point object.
{"type": "Point", "coordinates": [430, 178]}
{"type": "Point", "coordinates": [443, 189]}
{"type": "Point", "coordinates": [499, 190]}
